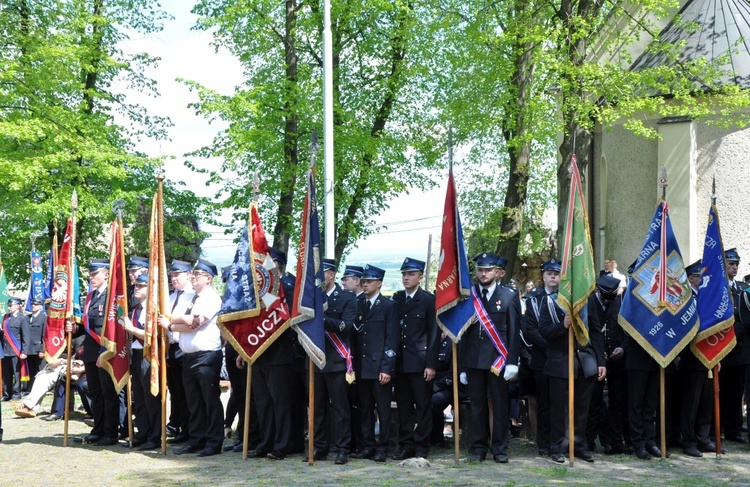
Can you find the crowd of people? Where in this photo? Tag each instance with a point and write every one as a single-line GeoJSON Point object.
{"type": "Point", "coordinates": [380, 349]}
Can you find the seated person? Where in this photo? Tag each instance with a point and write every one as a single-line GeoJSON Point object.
{"type": "Point", "coordinates": [81, 385]}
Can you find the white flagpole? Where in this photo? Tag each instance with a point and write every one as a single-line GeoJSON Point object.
{"type": "Point", "coordinates": [328, 129]}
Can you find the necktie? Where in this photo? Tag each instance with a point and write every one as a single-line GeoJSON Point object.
{"type": "Point", "coordinates": [485, 293]}
{"type": "Point", "coordinates": [408, 299]}
{"type": "Point", "coordinates": [369, 305]}
{"type": "Point", "coordinates": [176, 300]}
{"type": "Point", "coordinates": [189, 310]}
{"type": "Point", "coordinates": [95, 295]}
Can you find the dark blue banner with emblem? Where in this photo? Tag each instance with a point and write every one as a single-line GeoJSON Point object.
{"type": "Point", "coordinates": [308, 299]}
{"type": "Point", "coordinates": [36, 281]}
{"type": "Point", "coordinates": [658, 308]}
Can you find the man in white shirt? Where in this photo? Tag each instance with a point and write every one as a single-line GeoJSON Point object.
{"type": "Point", "coordinates": [200, 340]}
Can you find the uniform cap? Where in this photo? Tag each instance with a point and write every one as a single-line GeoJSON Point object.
{"type": "Point", "coordinates": [410, 265]}
{"type": "Point", "coordinates": [373, 273]}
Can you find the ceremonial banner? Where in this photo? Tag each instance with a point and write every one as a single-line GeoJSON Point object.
{"type": "Point", "coordinates": [253, 311]}
{"type": "Point", "coordinates": [453, 306]}
{"type": "Point", "coordinates": [578, 276]}
{"type": "Point", "coordinates": [36, 281]}
{"type": "Point", "coordinates": [307, 302]}
{"type": "Point", "coordinates": [715, 337]}
{"type": "Point", "coordinates": [115, 358]}
{"type": "Point", "coordinates": [157, 301]}
{"type": "Point", "coordinates": [60, 300]}
{"type": "Point", "coordinates": [4, 296]}
{"type": "Point", "coordinates": [49, 279]}
{"type": "Point", "coordinates": [658, 309]}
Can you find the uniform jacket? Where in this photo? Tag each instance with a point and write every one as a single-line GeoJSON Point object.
{"type": "Point", "coordinates": [530, 327]}
{"type": "Point", "coordinates": [606, 320]}
{"type": "Point", "coordinates": [340, 314]}
{"type": "Point", "coordinates": [587, 359]}
{"type": "Point", "coordinates": [504, 309]}
{"type": "Point", "coordinates": [37, 325]}
{"type": "Point", "coordinates": [19, 325]}
{"type": "Point", "coordinates": [96, 312]}
{"type": "Point", "coordinates": [376, 337]}
{"type": "Point", "coordinates": [419, 332]}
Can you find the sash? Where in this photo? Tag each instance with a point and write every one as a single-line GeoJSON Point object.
{"type": "Point", "coordinates": [15, 345]}
{"type": "Point", "coordinates": [85, 320]}
{"type": "Point", "coordinates": [136, 322]}
{"type": "Point", "coordinates": [489, 328]}
{"type": "Point", "coordinates": [345, 354]}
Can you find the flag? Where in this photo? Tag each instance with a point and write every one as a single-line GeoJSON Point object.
{"type": "Point", "coordinates": [578, 276]}
{"type": "Point", "coordinates": [658, 309]}
{"type": "Point", "coordinates": [115, 358]}
{"type": "Point", "coordinates": [253, 311]}
{"type": "Point", "coordinates": [4, 296]}
{"type": "Point", "coordinates": [36, 280]}
{"type": "Point", "coordinates": [308, 299]}
{"type": "Point", "coordinates": [61, 302]}
{"type": "Point", "coordinates": [715, 337]}
{"type": "Point", "coordinates": [49, 279]}
{"type": "Point", "coordinates": [453, 306]}
{"type": "Point", "coordinates": [157, 300]}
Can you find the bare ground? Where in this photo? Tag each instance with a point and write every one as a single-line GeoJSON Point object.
{"type": "Point", "coordinates": [32, 453]}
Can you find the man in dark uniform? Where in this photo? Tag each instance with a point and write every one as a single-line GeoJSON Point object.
{"type": "Point", "coordinates": [478, 354]}
{"type": "Point", "coordinates": [416, 362]}
{"type": "Point", "coordinates": [37, 325]}
{"type": "Point", "coordinates": [554, 325]}
{"type": "Point", "coordinates": [136, 266]}
{"type": "Point", "coordinates": [530, 324]}
{"type": "Point", "coordinates": [105, 403]}
{"type": "Point", "coordinates": [377, 337]}
{"type": "Point", "coordinates": [16, 346]}
{"type": "Point", "coordinates": [331, 385]}
{"type": "Point", "coordinates": [733, 368]}
{"type": "Point", "coordinates": [350, 281]}
{"type": "Point", "coordinates": [606, 302]}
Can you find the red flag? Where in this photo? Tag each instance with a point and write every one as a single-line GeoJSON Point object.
{"type": "Point", "coordinates": [115, 358]}
{"type": "Point", "coordinates": [252, 335]}
{"type": "Point", "coordinates": [59, 306]}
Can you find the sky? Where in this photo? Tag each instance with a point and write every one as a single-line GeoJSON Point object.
{"type": "Point", "coordinates": [188, 54]}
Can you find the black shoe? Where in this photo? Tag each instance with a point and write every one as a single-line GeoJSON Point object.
{"type": "Point", "coordinates": [276, 455]}
{"type": "Point", "coordinates": [557, 457]}
{"type": "Point", "coordinates": [586, 456]}
{"type": "Point", "coordinates": [257, 454]}
{"type": "Point", "coordinates": [692, 452]}
{"type": "Point", "coordinates": [172, 431]}
{"type": "Point", "coordinates": [500, 458]}
{"type": "Point", "coordinates": [231, 447]}
{"type": "Point", "coordinates": [364, 453]}
{"type": "Point", "coordinates": [237, 448]}
{"type": "Point", "coordinates": [710, 448]}
{"type": "Point", "coordinates": [403, 454]}
{"type": "Point", "coordinates": [342, 458]}
{"type": "Point", "coordinates": [379, 457]}
{"type": "Point", "coordinates": [544, 452]}
{"type": "Point", "coordinates": [209, 452]}
{"type": "Point", "coordinates": [188, 449]}
{"type": "Point", "coordinates": [476, 457]}
{"type": "Point", "coordinates": [107, 441]}
{"type": "Point", "coordinates": [421, 453]}
{"type": "Point", "coordinates": [149, 445]}
{"type": "Point", "coordinates": [735, 438]}
{"type": "Point", "coordinates": [318, 455]}
{"type": "Point", "coordinates": [52, 417]}
{"type": "Point", "coordinates": [655, 451]}
{"type": "Point", "coordinates": [92, 438]}
{"type": "Point", "coordinates": [642, 454]}
{"type": "Point", "coordinates": [181, 438]}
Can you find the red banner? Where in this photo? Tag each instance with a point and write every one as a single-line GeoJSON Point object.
{"type": "Point", "coordinates": [158, 292]}
{"type": "Point", "coordinates": [711, 350]}
{"type": "Point", "coordinates": [54, 333]}
{"type": "Point", "coordinates": [115, 358]}
{"type": "Point", "coordinates": [251, 336]}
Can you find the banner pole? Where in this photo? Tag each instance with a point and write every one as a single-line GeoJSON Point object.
{"type": "Point", "coordinates": [129, 395]}
{"type": "Point", "coordinates": [163, 388]}
{"type": "Point", "coordinates": [246, 426]}
{"type": "Point", "coordinates": [717, 413]}
{"type": "Point", "coordinates": [311, 415]}
{"type": "Point", "coordinates": [662, 413]}
{"type": "Point", "coordinates": [69, 305]}
{"type": "Point", "coordinates": [571, 397]}
{"type": "Point", "coordinates": [161, 334]}
{"type": "Point", "coordinates": [456, 427]}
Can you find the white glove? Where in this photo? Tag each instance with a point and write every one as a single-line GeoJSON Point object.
{"type": "Point", "coordinates": [511, 371]}
{"type": "Point", "coordinates": [462, 378]}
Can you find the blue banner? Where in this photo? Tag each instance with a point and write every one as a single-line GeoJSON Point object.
{"type": "Point", "coordinates": [308, 299]}
{"type": "Point", "coordinates": [49, 281]}
{"type": "Point", "coordinates": [658, 308]}
{"type": "Point", "coordinates": [240, 293]}
{"type": "Point", "coordinates": [36, 281]}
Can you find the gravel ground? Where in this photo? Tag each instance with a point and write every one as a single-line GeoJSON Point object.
{"type": "Point", "coordinates": [35, 448]}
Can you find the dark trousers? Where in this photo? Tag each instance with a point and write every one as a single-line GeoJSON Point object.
{"type": "Point", "coordinates": [35, 363]}
{"type": "Point", "coordinates": [643, 400]}
{"type": "Point", "coordinates": [332, 411]}
{"type": "Point", "coordinates": [81, 386]}
{"type": "Point", "coordinates": [200, 374]}
{"type": "Point", "coordinates": [374, 396]}
{"type": "Point", "coordinates": [413, 398]}
{"type": "Point", "coordinates": [105, 402]}
{"type": "Point", "coordinates": [273, 401]}
{"type": "Point", "coordinates": [11, 376]}
{"type": "Point", "coordinates": [358, 442]}
{"type": "Point", "coordinates": [697, 409]}
{"type": "Point", "coordinates": [482, 384]}
{"type": "Point", "coordinates": [617, 391]}
{"type": "Point", "coordinates": [440, 400]}
{"type": "Point", "coordinates": [147, 406]}
{"type": "Point", "coordinates": [731, 385]}
{"type": "Point", "coordinates": [582, 390]}
{"type": "Point", "coordinates": [179, 414]}
{"type": "Point", "coordinates": [542, 410]}
{"type": "Point", "coordinates": [238, 380]}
